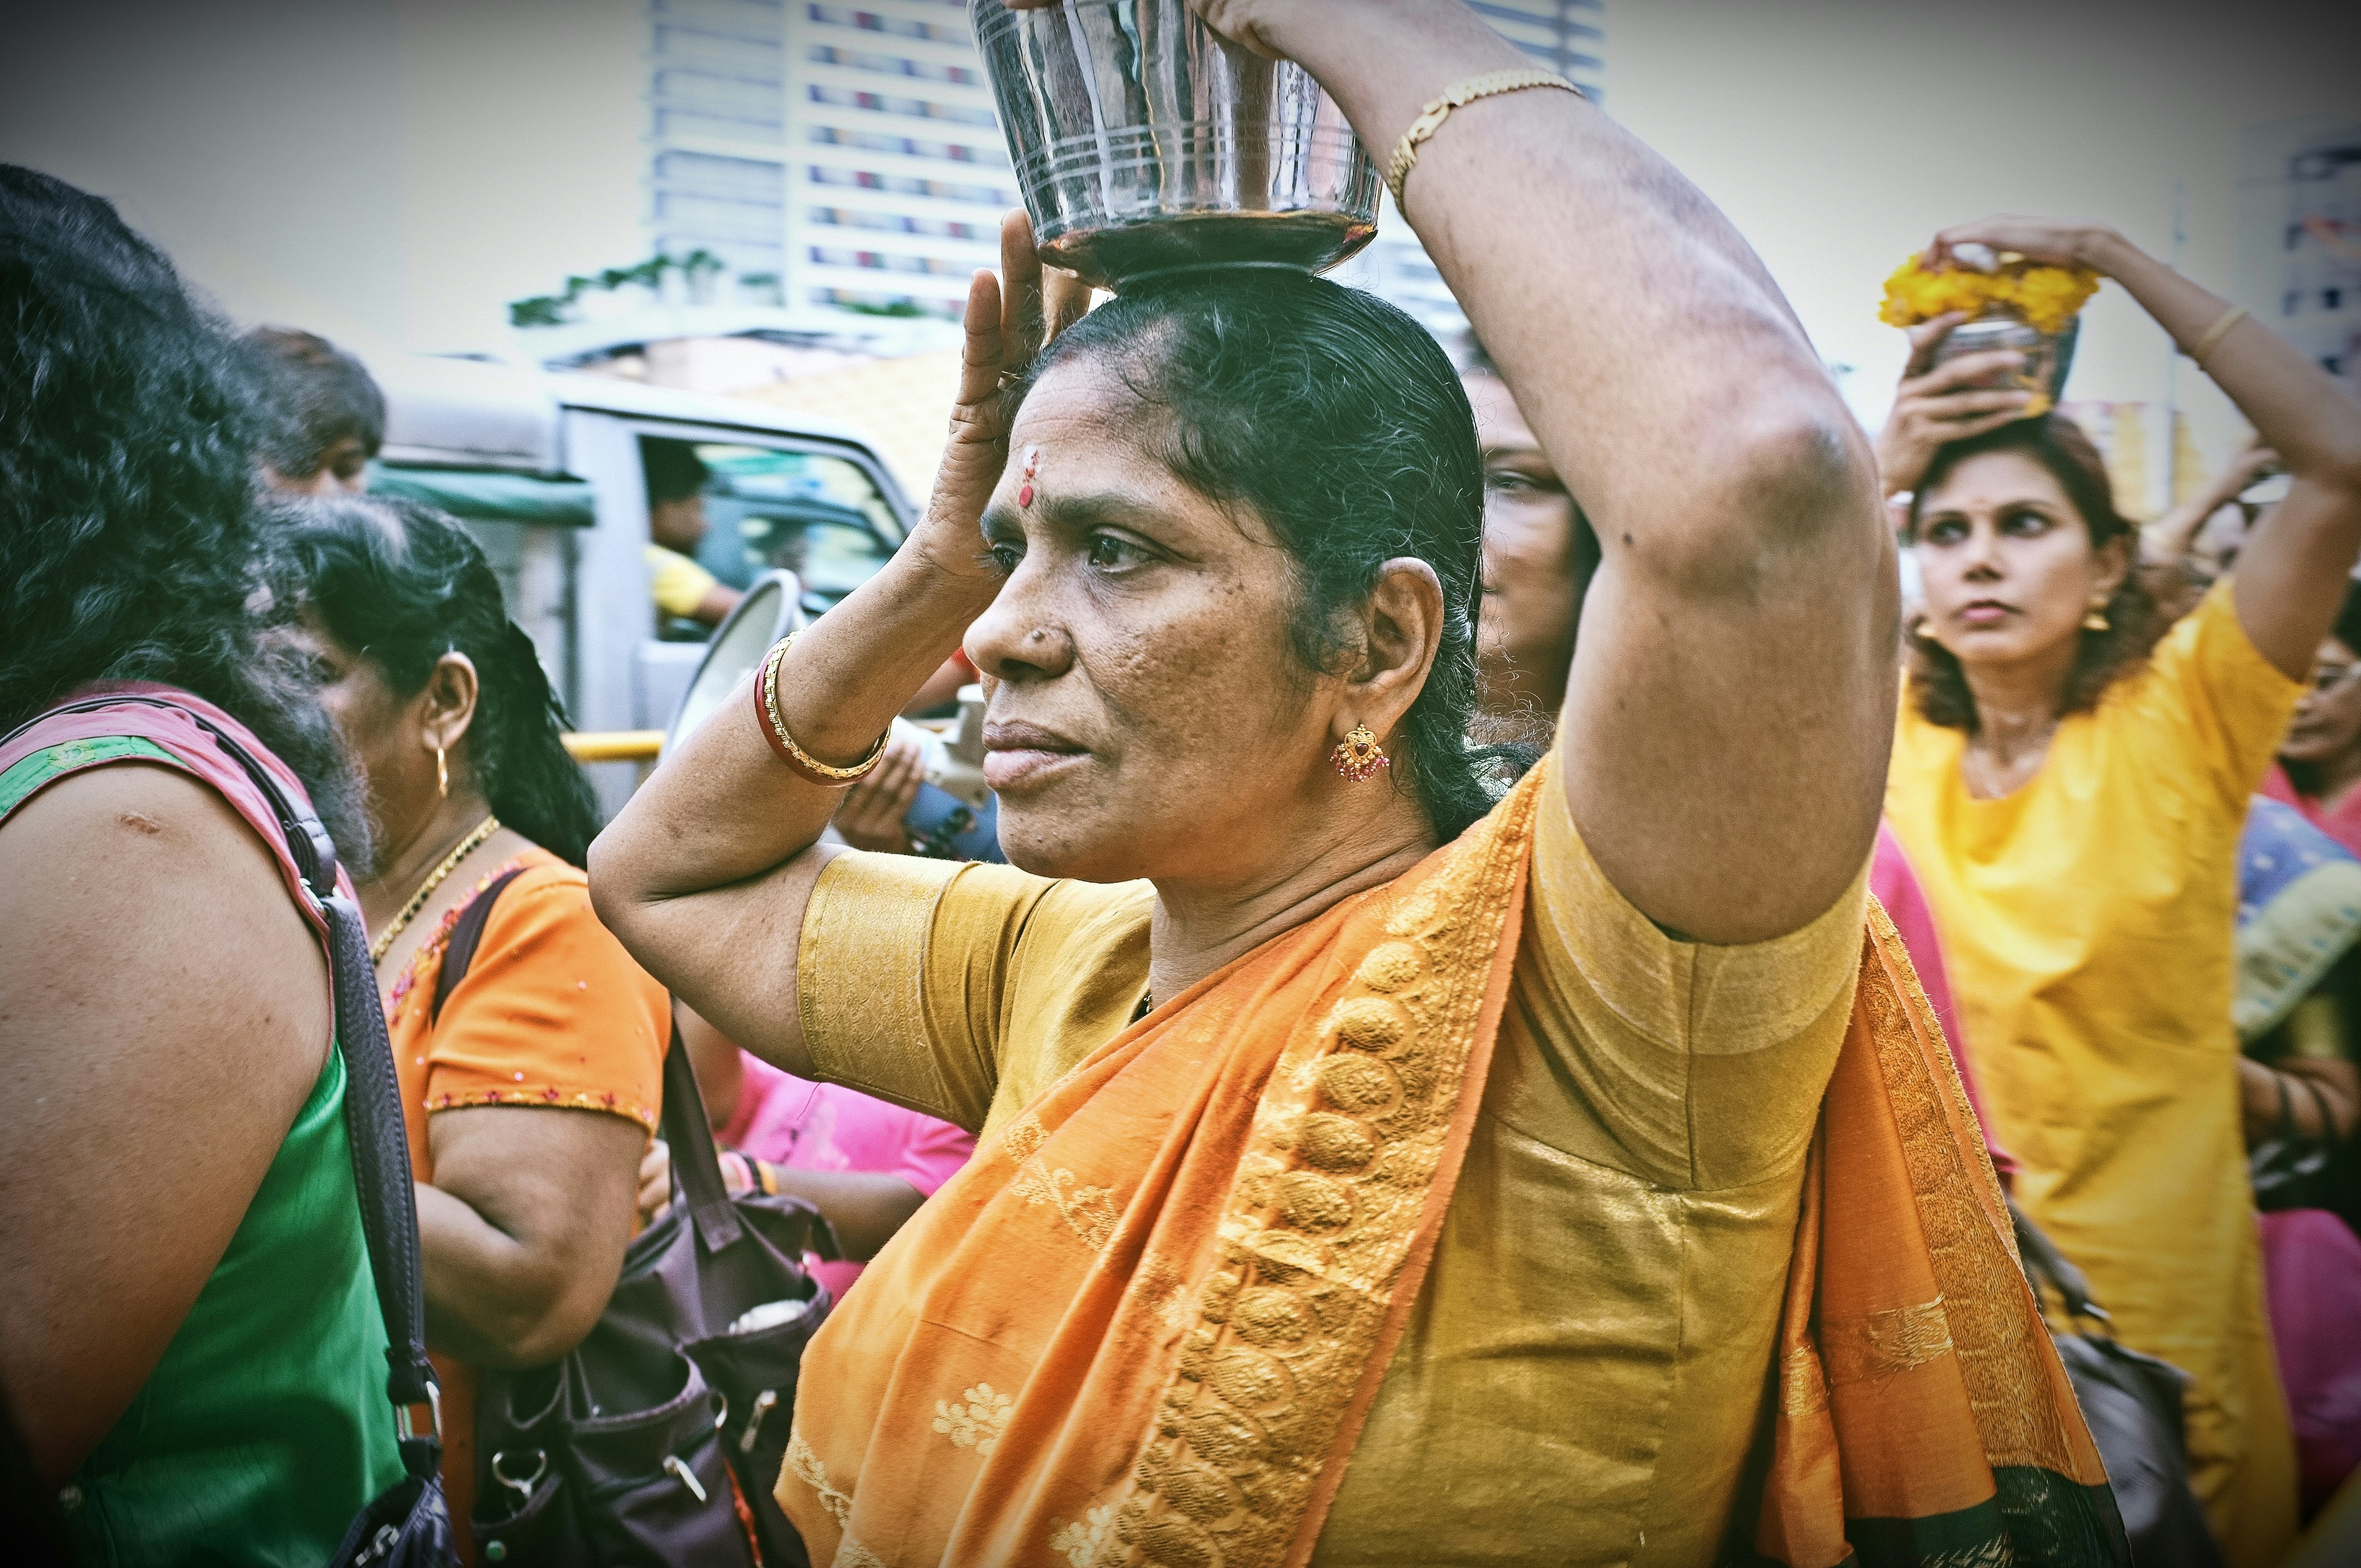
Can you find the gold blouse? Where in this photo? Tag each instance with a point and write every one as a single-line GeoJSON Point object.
{"type": "Point", "coordinates": [1587, 1364]}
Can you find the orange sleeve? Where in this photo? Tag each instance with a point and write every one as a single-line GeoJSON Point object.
{"type": "Point", "coordinates": [552, 1012]}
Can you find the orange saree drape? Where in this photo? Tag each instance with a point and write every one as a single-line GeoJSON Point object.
{"type": "Point", "coordinates": [1145, 1324]}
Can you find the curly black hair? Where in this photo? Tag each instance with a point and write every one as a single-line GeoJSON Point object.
{"type": "Point", "coordinates": [132, 543]}
{"type": "Point", "coordinates": [401, 584]}
{"type": "Point", "coordinates": [1340, 421]}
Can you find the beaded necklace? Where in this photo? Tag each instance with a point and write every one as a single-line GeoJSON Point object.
{"type": "Point", "coordinates": [484, 830]}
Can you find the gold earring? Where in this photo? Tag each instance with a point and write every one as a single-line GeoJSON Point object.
{"type": "Point", "coordinates": [1358, 755]}
{"type": "Point", "coordinates": [2097, 619]}
{"type": "Point", "coordinates": [442, 774]}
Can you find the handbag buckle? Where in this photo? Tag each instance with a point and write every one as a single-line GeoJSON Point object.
{"type": "Point", "coordinates": [686, 1476]}
{"type": "Point", "coordinates": [763, 1403]}
{"type": "Point", "coordinates": [402, 1414]}
{"type": "Point", "coordinates": [522, 1488]}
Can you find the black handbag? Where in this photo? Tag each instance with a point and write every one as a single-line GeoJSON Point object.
{"type": "Point", "coordinates": [2132, 1405]}
{"type": "Point", "coordinates": [658, 1440]}
{"type": "Point", "coordinates": [408, 1525]}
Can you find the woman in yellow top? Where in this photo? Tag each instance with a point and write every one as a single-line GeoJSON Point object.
{"type": "Point", "coordinates": [2072, 800]}
{"type": "Point", "coordinates": [1369, 1173]}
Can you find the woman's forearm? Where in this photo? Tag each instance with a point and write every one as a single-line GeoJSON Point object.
{"type": "Point", "coordinates": [724, 808]}
{"type": "Point", "coordinates": [2294, 405]}
{"type": "Point", "coordinates": [865, 1208]}
{"type": "Point", "coordinates": [488, 1302]}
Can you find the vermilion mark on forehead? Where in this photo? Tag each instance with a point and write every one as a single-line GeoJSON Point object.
{"type": "Point", "coordinates": [1032, 466]}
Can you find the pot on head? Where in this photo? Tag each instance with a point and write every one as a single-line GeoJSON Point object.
{"type": "Point", "coordinates": [2048, 355]}
{"type": "Point", "coordinates": [1144, 142]}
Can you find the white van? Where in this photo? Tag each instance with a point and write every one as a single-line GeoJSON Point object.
{"type": "Point", "coordinates": [546, 470]}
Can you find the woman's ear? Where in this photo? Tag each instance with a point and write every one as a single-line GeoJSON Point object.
{"type": "Point", "coordinates": [2113, 562]}
{"type": "Point", "coordinates": [448, 704]}
{"type": "Point", "coordinates": [1401, 629]}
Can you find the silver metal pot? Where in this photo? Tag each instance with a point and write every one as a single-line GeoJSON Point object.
{"type": "Point", "coordinates": [1146, 142]}
{"type": "Point", "coordinates": [2048, 355]}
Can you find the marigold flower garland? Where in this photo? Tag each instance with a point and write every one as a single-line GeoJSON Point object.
{"type": "Point", "coordinates": [2044, 297]}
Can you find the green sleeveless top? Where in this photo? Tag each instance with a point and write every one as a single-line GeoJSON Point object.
{"type": "Point", "coordinates": [266, 1426]}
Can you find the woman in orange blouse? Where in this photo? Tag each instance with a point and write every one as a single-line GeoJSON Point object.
{"type": "Point", "coordinates": [524, 1215]}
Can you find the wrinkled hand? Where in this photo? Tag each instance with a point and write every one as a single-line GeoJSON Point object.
{"type": "Point", "coordinates": [871, 816]}
{"type": "Point", "coordinates": [1009, 317]}
{"type": "Point", "coordinates": [1941, 403]}
{"type": "Point", "coordinates": [2050, 242]}
{"type": "Point", "coordinates": [655, 1182]}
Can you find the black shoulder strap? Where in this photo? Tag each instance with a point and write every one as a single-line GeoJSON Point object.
{"type": "Point", "coordinates": [466, 935]}
{"type": "Point", "coordinates": [695, 1167]}
{"type": "Point", "coordinates": [2044, 1265]}
{"type": "Point", "coordinates": [373, 1121]}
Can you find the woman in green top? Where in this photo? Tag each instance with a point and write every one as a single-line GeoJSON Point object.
{"type": "Point", "coordinates": [189, 1335]}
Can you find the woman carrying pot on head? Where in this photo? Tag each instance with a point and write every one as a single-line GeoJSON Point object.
{"type": "Point", "coordinates": [2070, 791]}
{"type": "Point", "coordinates": [531, 1091]}
{"type": "Point", "coordinates": [1334, 1107]}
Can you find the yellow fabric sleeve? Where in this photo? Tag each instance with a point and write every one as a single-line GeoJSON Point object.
{"type": "Point", "coordinates": [860, 979]}
{"type": "Point", "coordinates": [2215, 685]}
{"type": "Point", "coordinates": [963, 991]}
{"type": "Point", "coordinates": [1701, 1065]}
{"type": "Point", "coordinates": [677, 583]}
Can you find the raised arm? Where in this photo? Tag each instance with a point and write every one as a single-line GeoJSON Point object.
{"type": "Point", "coordinates": [2292, 568]}
{"type": "Point", "coordinates": [705, 874]}
{"type": "Point", "coordinates": [1731, 698]}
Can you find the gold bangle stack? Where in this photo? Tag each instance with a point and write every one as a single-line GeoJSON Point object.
{"type": "Point", "coordinates": [1430, 119]}
{"type": "Point", "coordinates": [775, 729]}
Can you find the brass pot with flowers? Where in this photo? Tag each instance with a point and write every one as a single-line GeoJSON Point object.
{"type": "Point", "coordinates": [2010, 303]}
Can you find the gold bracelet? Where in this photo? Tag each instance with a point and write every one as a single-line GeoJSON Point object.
{"type": "Point", "coordinates": [2215, 334]}
{"type": "Point", "coordinates": [1430, 119]}
{"type": "Point", "coordinates": [775, 729]}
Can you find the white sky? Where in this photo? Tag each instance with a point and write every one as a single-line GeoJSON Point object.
{"type": "Point", "coordinates": [392, 171]}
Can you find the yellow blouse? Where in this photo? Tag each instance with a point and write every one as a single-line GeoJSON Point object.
{"type": "Point", "coordinates": [2087, 922]}
{"type": "Point", "coordinates": [1583, 1374]}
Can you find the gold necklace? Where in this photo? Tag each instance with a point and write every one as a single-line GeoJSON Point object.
{"type": "Point", "coordinates": [484, 830]}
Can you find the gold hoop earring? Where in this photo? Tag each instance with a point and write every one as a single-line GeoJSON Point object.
{"type": "Point", "coordinates": [442, 774]}
{"type": "Point", "coordinates": [2097, 619]}
{"type": "Point", "coordinates": [1357, 755]}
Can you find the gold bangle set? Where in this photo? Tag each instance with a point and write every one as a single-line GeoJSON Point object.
{"type": "Point", "coordinates": [1430, 119]}
{"type": "Point", "coordinates": [775, 730]}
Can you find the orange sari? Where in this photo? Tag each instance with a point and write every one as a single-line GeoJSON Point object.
{"type": "Point", "coordinates": [1245, 1189]}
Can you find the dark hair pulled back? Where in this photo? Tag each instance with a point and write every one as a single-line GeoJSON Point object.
{"type": "Point", "coordinates": [1341, 423]}
{"type": "Point", "coordinates": [401, 584]}
{"type": "Point", "coordinates": [132, 547]}
{"type": "Point", "coordinates": [2136, 617]}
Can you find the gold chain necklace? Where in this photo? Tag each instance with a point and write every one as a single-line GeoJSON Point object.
{"type": "Point", "coordinates": [484, 830]}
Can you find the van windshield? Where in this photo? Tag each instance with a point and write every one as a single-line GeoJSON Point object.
{"type": "Point", "coordinates": [818, 516]}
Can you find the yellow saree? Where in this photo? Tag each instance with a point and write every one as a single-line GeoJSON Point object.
{"type": "Point", "coordinates": [1248, 1185]}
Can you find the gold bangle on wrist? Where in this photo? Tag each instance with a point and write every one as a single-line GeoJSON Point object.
{"type": "Point", "coordinates": [2215, 334]}
{"type": "Point", "coordinates": [1430, 119]}
{"type": "Point", "coordinates": [775, 731]}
